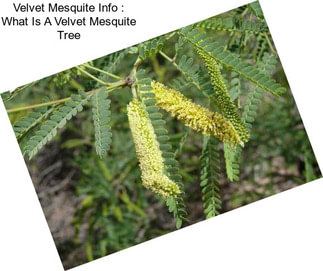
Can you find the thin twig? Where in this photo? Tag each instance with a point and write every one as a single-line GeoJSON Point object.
{"type": "Point", "coordinates": [110, 88]}
{"type": "Point", "coordinates": [102, 71]}
{"type": "Point", "coordinates": [270, 44]}
{"type": "Point", "coordinates": [92, 77]}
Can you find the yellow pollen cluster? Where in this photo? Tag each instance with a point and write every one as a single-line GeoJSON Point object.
{"type": "Point", "coordinates": [148, 152]}
{"type": "Point", "coordinates": [195, 116]}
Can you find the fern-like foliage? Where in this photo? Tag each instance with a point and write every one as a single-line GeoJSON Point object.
{"type": "Point", "coordinates": [190, 71]}
{"type": "Point", "coordinates": [62, 78]}
{"type": "Point", "coordinates": [175, 204]}
{"type": "Point", "coordinates": [229, 60]}
{"type": "Point", "coordinates": [256, 9]}
{"type": "Point", "coordinates": [261, 47]}
{"type": "Point", "coordinates": [179, 44]}
{"type": "Point", "coordinates": [114, 60]}
{"type": "Point", "coordinates": [56, 121]}
{"type": "Point", "coordinates": [267, 66]}
{"type": "Point", "coordinates": [253, 100]}
{"type": "Point", "coordinates": [179, 83]}
{"type": "Point", "coordinates": [7, 96]}
{"type": "Point", "coordinates": [231, 25]}
{"type": "Point", "coordinates": [151, 47]}
{"type": "Point", "coordinates": [25, 124]}
{"type": "Point", "coordinates": [101, 120]}
{"type": "Point", "coordinates": [232, 161]}
{"type": "Point", "coordinates": [235, 86]}
{"type": "Point", "coordinates": [210, 174]}
{"type": "Point", "coordinates": [193, 75]}
{"type": "Point", "coordinates": [232, 155]}
{"type": "Point", "coordinates": [237, 12]}
{"type": "Point", "coordinates": [251, 106]}
{"type": "Point", "coordinates": [207, 87]}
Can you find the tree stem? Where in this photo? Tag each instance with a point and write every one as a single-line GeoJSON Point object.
{"type": "Point", "coordinates": [92, 77]}
{"type": "Point", "coordinates": [102, 71]}
{"type": "Point", "coordinates": [110, 88]}
{"type": "Point", "coordinates": [166, 57]}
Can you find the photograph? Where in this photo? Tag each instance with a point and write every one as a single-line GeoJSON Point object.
{"type": "Point", "coordinates": [161, 135]}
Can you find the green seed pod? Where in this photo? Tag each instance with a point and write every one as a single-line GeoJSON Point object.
{"type": "Point", "coordinates": [223, 98]}
{"type": "Point", "coordinates": [148, 152]}
{"type": "Point", "coordinates": [195, 116]}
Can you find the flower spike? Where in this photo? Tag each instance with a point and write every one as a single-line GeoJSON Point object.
{"type": "Point", "coordinates": [195, 116]}
{"type": "Point", "coordinates": [148, 152]}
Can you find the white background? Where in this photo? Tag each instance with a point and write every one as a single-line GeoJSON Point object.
{"type": "Point", "coordinates": [283, 232]}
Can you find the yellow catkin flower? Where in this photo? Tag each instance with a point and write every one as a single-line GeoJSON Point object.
{"type": "Point", "coordinates": [222, 95]}
{"type": "Point", "coordinates": [148, 152]}
{"type": "Point", "coordinates": [195, 116]}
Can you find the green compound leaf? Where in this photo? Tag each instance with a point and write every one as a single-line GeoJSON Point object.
{"type": "Point", "coordinates": [210, 174]}
{"type": "Point", "coordinates": [232, 161]}
{"type": "Point", "coordinates": [151, 47]}
{"type": "Point", "coordinates": [101, 119]}
{"type": "Point", "coordinates": [230, 61]}
{"type": "Point", "coordinates": [115, 59]}
{"type": "Point", "coordinates": [262, 47]}
{"type": "Point", "coordinates": [267, 66]}
{"type": "Point", "coordinates": [25, 124]}
{"type": "Point", "coordinates": [235, 86]}
{"type": "Point", "coordinates": [231, 25]}
{"type": "Point", "coordinates": [57, 120]}
{"type": "Point", "coordinates": [256, 9]}
{"type": "Point", "coordinates": [7, 96]}
{"type": "Point", "coordinates": [250, 109]}
{"type": "Point", "coordinates": [179, 45]}
{"type": "Point", "coordinates": [253, 100]}
{"type": "Point", "coordinates": [192, 76]}
{"type": "Point", "coordinates": [190, 71]}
